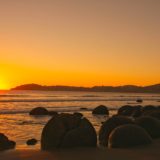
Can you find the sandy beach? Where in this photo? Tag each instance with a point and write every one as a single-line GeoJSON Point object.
{"type": "Point", "coordinates": [150, 152]}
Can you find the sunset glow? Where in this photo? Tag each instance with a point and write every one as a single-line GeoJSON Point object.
{"type": "Point", "coordinates": [110, 42]}
{"type": "Point", "coordinates": [3, 84]}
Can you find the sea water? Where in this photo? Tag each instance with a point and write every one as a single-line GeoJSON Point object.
{"type": "Point", "coordinates": [18, 125]}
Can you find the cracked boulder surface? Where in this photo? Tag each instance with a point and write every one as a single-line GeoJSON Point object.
{"type": "Point", "coordinates": [67, 131]}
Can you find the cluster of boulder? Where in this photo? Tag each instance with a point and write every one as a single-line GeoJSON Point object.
{"type": "Point", "coordinates": [137, 111]}
{"type": "Point", "coordinates": [131, 126]}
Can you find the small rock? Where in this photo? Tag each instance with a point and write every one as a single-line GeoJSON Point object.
{"type": "Point", "coordinates": [31, 141]}
{"type": "Point", "coordinates": [139, 100]}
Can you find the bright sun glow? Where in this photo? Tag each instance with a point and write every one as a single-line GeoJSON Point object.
{"type": "Point", "coordinates": [3, 85]}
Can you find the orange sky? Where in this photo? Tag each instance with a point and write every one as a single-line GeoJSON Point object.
{"type": "Point", "coordinates": [79, 42]}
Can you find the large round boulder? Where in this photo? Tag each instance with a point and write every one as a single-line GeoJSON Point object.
{"type": "Point", "coordinates": [66, 131]}
{"type": "Point", "coordinates": [150, 124]}
{"type": "Point", "coordinates": [83, 136]}
{"type": "Point", "coordinates": [5, 143]}
{"type": "Point", "coordinates": [39, 111]}
{"type": "Point", "coordinates": [129, 135]}
{"type": "Point", "coordinates": [109, 125]}
{"type": "Point", "coordinates": [101, 110]}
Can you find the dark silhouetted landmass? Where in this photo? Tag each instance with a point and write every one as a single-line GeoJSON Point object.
{"type": "Point", "coordinates": [127, 88]}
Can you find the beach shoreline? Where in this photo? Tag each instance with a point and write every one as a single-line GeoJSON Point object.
{"type": "Point", "coordinates": [150, 152]}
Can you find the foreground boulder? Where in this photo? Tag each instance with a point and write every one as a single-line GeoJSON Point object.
{"type": "Point", "coordinates": [39, 111]}
{"type": "Point", "coordinates": [150, 124]}
{"type": "Point", "coordinates": [109, 125]}
{"type": "Point", "coordinates": [66, 131]}
{"type": "Point", "coordinates": [129, 135]}
{"type": "Point", "coordinates": [101, 110]}
{"type": "Point", "coordinates": [5, 143]}
{"type": "Point", "coordinates": [31, 141]}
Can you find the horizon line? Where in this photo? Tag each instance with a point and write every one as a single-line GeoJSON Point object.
{"type": "Point", "coordinates": [85, 86]}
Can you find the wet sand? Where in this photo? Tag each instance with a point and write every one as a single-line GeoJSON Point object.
{"type": "Point", "coordinates": [150, 152]}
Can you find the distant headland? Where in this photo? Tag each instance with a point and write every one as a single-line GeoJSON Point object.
{"type": "Point", "coordinates": [126, 88]}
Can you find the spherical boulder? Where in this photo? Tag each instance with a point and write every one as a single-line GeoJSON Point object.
{"type": "Point", "coordinates": [5, 143]}
{"type": "Point", "coordinates": [148, 108]}
{"type": "Point", "coordinates": [78, 114]}
{"type": "Point", "coordinates": [137, 111]}
{"type": "Point", "coordinates": [31, 141]}
{"type": "Point", "coordinates": [101, 110]}
{"type": "Point", "coordinates": [126, 110]}
{"type": "Point", "coordinates": [109, 125]}
{"type": "Point", "coordinates": [150, 124]}
{"type": "Point", "coordinates": [83, 108]}
{"type": "Point", "coordinates": [52, 113]}
{"type": "Point", "coordinates": [133, 111]}
{"type": "Point", "coordinates": [39, 111]}
{"type": "Point", "coordinates": [66, 131]}
{"type": "Point", "coordinates": [128, 135]}
{"type": "Point", "coordinates": [155, 114]}
{"type": "Point", "coordinates": [83, 136]}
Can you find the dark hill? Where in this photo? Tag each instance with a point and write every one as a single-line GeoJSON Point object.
{"type": "Point", "coordinates": [126, 88]}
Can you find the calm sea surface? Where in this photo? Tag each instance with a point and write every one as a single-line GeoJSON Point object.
{"type": "Point", "coordinates": [19, 126]}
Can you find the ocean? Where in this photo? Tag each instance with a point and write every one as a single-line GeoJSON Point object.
{"type": "Point", "coordinates": [18, 125]}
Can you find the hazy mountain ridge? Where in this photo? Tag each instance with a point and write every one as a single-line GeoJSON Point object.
{"type": "Point", "coordinates": [126, 88]}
